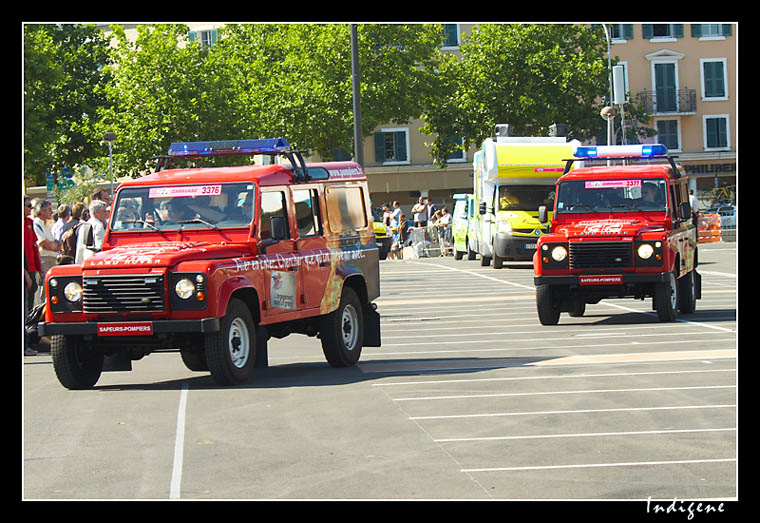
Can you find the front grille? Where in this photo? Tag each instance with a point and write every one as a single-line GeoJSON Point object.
{"type": "Point", "coordinates": [124, 293]}
{"type": "Point", "coordinates": [600, 255]}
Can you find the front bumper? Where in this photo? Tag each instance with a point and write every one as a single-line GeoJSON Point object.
{"type": "Point", "coordinates": [520, 248]}
{"type": "Point", "coordinates": [625, 279]}
{"type": "Point", "coordinates": [90, 328]}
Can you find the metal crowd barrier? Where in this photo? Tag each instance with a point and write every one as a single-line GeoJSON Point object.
{"type": "Point", "coordinates": [431, 241]}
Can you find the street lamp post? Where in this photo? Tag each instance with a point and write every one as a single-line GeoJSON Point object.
{"type": "Point", "coordinates": [110, 137]}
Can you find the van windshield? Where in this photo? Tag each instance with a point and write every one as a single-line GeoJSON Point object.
{"type": "Point", "coordinates": [525, 197]}
{"type": "Point", "coordinates": [618, 195]}
{"type": "Point", "coordinates": [199, 206]}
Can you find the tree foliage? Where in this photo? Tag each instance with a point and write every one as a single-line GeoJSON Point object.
{"type": "Point", "coordinates": [63, 89]}
{"type": "Point", "coordinates": [294, 81]}
{"type": "Point", "coordinates": [528, 76]}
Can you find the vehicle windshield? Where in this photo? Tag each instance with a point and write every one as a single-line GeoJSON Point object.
{"type": "Point", "coordinates": [199, 206]}
{"type": "Point", "coordinates": [525, 197]}
{"type": "Point", "coordinates": [618, 195]}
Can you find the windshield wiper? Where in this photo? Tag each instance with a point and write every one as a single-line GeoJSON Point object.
{"type": "Point", "coordinates": [626, 206]}
{"type": "Point", "coordinates": [571, 208]}
{"type": "Point", "coordinates": [199, 220]}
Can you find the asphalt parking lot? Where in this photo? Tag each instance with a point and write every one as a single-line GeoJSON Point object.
{"type": "Point", "coordinates": [469, 397]}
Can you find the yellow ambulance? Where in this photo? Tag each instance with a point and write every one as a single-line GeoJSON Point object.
{"type": "Point", "coordinates": [512, 177]}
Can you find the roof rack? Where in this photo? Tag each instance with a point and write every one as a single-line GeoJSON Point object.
{"type": "Point", "coordinates": [268, 146]}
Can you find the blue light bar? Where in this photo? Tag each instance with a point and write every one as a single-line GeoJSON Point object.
{"type": "Point", "coordinates": [621, 151]}
{"type": "Point", "coordinates": [262, 146]}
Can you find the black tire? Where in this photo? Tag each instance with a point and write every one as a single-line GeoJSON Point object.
{"type": "Point", "coordinates": [577, 309]}
{"type": "Point", "coordinates": [470, 253]}
{"type": "Point", "coordinates": [485, 261]}
{"type": "Point", "coordinates": [458, 254]}
{"type": "Point", "coordinates": [498, 262]}
{"type": "Point", "coordinates": [194, 360]}
{"type": "Point", "coordinates": [77, 365]}
{"type": "Point", "coordinates": [687, 297]}
{"type": "Point", "coordinates": [342, 331]}
{"type": "Point", "coordinates": [231, 352]}
{"type": "Point", "coordinates": [666, 299]}
{"type": "Point", "coordinates": [548, 307]}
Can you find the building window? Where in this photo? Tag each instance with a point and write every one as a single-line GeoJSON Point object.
{"type": "Point", "coordinates": [667, 134]}
{"type": "Point", "coordinates": [711, 31]}
{"type": "Point", "coordinates": [621, 32]}
{"type": "Point", "coordinates": [460, 155]}
{"type": "Point", "coordinates": [662, 31]}
{"type": "Point", "coordinates": [713, 78]}
{"type": "Point", "coordinates": [392, 146]}
{"type": "Point", "coordinates": [205, 37]}
{"type": "Point", "coordinates": [451, 35]}
{"type": "Point", "coordinates": [715, 131]}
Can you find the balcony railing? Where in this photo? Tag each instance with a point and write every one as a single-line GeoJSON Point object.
{"type": "Point", "coordinates": [669, 101]}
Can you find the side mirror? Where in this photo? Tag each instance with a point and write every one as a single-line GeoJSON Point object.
{"type": "Point", "coordinates": [684, 209]}
{"type": "Point", "coordinates": [543, 215]}
{"type": "Point", "coordinates": [277, 226]}
{"type": "Point", "coordinates": [89, 239]}
{"type": "Point", "coordinates": [482, 209]}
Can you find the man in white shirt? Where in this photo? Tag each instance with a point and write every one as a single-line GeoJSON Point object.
{"type": "Point", "coordinates": [46, 243]}
{"type": "Point", "coordinates": [98, 218]}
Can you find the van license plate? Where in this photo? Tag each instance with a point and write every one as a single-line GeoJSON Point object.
{"type": "Point", "coordinates": [530, 245]}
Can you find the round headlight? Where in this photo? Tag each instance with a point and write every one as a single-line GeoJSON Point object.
{"type": "Point", "coordinates": [559, 253]}
{"type": "Point", "coordinates": [73, 291]}
{"type": "Point", "coordinates": [645, 251]}
{"type": "Point", "coordinates": [184, 288]}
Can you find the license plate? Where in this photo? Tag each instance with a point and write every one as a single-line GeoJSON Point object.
{"type": "Point", "coordinates": [530, 245]}
{"type": "Point", "coordinates": [142, 328]}
{"type": "Point", "coordinates": [601, 279]}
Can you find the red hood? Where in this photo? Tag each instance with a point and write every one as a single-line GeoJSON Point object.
{"type": "Point", "coordinates": [162, 254]}
{"type": "Point", "coordinates": [607, 228]}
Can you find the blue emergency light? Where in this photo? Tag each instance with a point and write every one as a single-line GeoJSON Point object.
{"type": "Point", "coordinates": [621, 151]}
{"type": "Point", "coordinates": [260, 146]}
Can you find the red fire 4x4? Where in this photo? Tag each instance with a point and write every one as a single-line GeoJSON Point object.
{"type": "Point", "coordinates": [618, 231]}
{"type": "Point", "coordinates": [214, 261]}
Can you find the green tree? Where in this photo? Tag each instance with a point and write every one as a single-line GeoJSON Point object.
{"type": "Point", "coordinates": [63, 79]}
{"type": "Point", "coordinates": [164, 89]}
{"type": "Point", "coordinates": [294, 80]}
{"type": "Point", "coordinates": [528, 76]}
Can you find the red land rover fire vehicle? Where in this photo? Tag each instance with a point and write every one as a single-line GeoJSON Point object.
{"type": "Point", "coordinates": [214, 261]}
{"type": "Point", "coordinates": [618, 231]}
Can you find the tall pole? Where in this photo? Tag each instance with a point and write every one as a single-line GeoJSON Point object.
{"type": "Point", "coordinates": [610, 124]}
{"type": "Point", "coordinates": [355, 83]}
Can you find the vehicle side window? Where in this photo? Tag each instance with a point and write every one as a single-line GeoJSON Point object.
{"type": "Point", "coordinates": [307, 212]}
{"type": "Point", "coordinates": [272, 204]}
{"type": "Point", "coordinates": [345, 208]}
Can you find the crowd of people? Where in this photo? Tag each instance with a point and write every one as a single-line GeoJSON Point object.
{"type": "Point", "coordinates": [66, 234]}
{"type": "Point", "coordinates": [424, 214]}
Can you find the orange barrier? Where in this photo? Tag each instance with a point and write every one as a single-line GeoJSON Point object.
{"type": "Point", "coordinates": [709, 228]}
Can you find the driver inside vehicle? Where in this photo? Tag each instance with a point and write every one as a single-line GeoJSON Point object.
{"type": "Point", "coordinates": [177, 211]}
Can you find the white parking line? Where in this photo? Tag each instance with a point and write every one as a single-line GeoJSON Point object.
{"type": "Point", "coordinates": [577, 411]}
{"type": "Point", "coordinates": [594, 465]}
{"type": "Point", "coordinates": [179, 443]}
{"type": "Point", "coordinates": [558, 393]}
{"type": "Point", "coordinates": [583, 435]}
{"type": "Point", "coordinates": [562, 377]}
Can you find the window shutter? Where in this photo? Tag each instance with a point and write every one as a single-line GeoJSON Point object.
{"type": "Point", "coordinates": [727, 29]}
{"type": "Point", "coordinates": [696, 30]}
{"type": "Point", "coordinates": [212, 37]}
{"type": "Point", "coordinates": [677, 30]}
{"type": "Point", "coordinates": [399, 141]}
{"type": "Point", "coordinates": [192, 35]}
{"type": "Point", "coordinates": [379, 147]}
{"type": "Point", "coordinates": [628, 31]}
{"type": "Point", "coordinates": [646, 29]}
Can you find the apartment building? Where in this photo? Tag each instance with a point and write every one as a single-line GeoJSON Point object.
{"type": "Point", "coordinates": [686, 77]}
